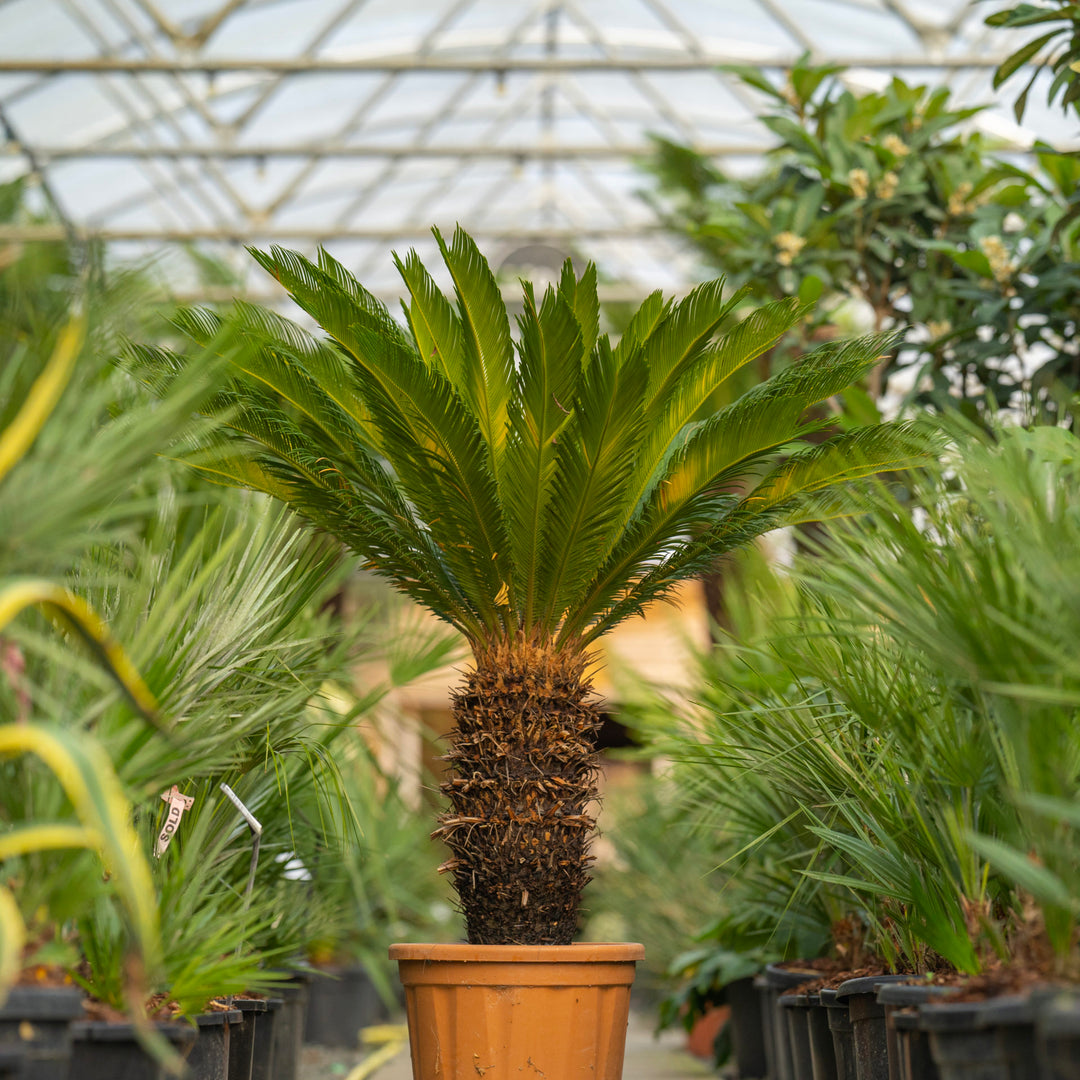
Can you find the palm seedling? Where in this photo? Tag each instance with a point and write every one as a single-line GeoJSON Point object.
{"type": "Point", "coordinates": [534, 491]}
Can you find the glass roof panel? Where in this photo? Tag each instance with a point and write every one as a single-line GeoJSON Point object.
{"type": "Point", "coordinates": [360, 124]}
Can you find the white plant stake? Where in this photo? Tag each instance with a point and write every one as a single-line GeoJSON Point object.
{"type": "Point", "coordinates": [256, 832]}
{"type": "Point", "coordinates": [177, 805]}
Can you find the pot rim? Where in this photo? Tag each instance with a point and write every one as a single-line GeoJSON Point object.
{"type": "Point", "coordinates": [586, 952]}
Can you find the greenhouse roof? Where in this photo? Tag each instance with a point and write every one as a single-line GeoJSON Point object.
{"type": "Point", "coordinates": [360, 123]}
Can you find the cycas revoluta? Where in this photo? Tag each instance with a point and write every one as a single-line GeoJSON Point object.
{"type": "Point", "coordinates": [533, 490]}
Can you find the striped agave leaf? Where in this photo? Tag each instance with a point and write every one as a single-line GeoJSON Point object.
{"type": "Point", "coordinates": [72, 612]}
{"type": "Point", "coordinates": [104, 825]}
{"type": "Point", "coordinates": [17, 437]}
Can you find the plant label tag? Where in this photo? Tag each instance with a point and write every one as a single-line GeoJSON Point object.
{"type": "Point", "coordinates": [177, 805]}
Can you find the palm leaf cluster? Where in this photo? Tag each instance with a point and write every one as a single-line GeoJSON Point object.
{"type": "Point", "coordinates": [897, 746]}
{"type": "Point", "coordinates": [533, 486]}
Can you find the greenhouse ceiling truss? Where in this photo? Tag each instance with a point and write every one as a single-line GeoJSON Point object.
{"type": "Point", "coordinates": [505, 118]}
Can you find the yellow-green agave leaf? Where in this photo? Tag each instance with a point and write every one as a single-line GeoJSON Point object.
{"type": "Point", "coordinates": [20, 434]}
{"type": "Point", "coordinates": [12, 938]}
{"type": "Point", "coordinates": [16, 596]}
{"type": "Point", "coordinates": [86, 774]}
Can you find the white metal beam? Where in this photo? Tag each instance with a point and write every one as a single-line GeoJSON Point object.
{"type": "Point", "coordinates": [260, 151]}
{"type": "Point", "coordinates": [413, 64]}
{"type": "Point", "coordinates": [242, 234]}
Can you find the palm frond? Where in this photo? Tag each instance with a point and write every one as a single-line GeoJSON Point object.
{"type": "Point", "coordinates": [652, 312]}
{"type": "Point", "coordinates": [485, 336]}
{"type": "Point", "coordinates": [689, 391]}
{"type": "Point", "coordinates": [685, 332]}
{"type": "Point", "coordinates": [674, 535]}
{"type": "Point", "coordinates": [760, 422]}
{"type": "Point", "coordinates": [814, 484]}
{"type": "Point", "coordinates": [594, 459]}
{"type": "Point", "coordinates": [581, 294]}
{"type": "Point", "coordinates": [551, 348]}
{"type": "Point", "coordinates": [435, 326]}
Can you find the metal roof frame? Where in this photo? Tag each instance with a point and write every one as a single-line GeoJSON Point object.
{"type": "Point", "coordinates": [506, 132]}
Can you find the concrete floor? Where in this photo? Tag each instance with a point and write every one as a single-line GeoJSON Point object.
{"type": "Point", "coordinates": [647, 1058]}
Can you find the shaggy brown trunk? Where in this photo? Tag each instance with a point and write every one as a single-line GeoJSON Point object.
{"type": "Point", "coordinates": [524, 774]}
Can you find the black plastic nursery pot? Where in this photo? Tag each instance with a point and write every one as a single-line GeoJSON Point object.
{"type": "Point", "coordinates": [772, 983]}
{"type": "Point", "coordinates": [982, 1040]}
{"type": "Point", "coordinates": [867, 1018]}
{"type": "Point", "coordinates": [37, 1019]}
{"type": "Point", "coordinates": [908, 1044]}
{"type": "Point", "coordinates": [822, 1051]}
{"type": "Point", "coordinates": [796, 1008]}
{"type": "Point", "coordinates": [1058, 1036]}
{"type": "Point", "coordinates": [289, 1029]}
{"type": "Point", "coordinates": [242, 1036]}
{"type": "Point", "coordinates": [341, 1001]}
{"type": "Point", "coordinates": [1012, 1022]}
{"type": "Point", "coordinates": [209, 1057]}
{"type": "Point", "coordinates": [262, 1052]}
{"type": "Point", "coordinates": [11, 1058]}
{"type": "Point", "coordinates": [761, 988]}
{"type": "Point", "coordinates": [843, 1035]}
{"type": "Point", "coordinates": [105, 1051]}
{"type": "Point", "coordinates": [747, 1029]}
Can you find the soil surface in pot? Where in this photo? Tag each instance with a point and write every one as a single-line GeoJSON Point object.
{"type": "Point", "coordinates": [1005, 981]}
{"type": "Point", "coordinates": [838, 975]}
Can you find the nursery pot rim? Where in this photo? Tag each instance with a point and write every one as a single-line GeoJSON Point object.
{"type": "Point", "coordinates": [43, 1003]}
{"type": "Point", "coordinates": [914, 993]}
{"type": "Point", "coordinates": [252, 1005]}
{"type": "Point", "coordinates": [867, 984]}
{"type": "Point", "coordinates": [586, 952]}
{"type": "Point", "coordinates": [177, 1031]}
{"type": "Point", "coordinates": [218, 1017]}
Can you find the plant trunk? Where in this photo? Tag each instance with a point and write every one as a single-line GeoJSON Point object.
{"type": "Point", "coordinates": [524, 775]}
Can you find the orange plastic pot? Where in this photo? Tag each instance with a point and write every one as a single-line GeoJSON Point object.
{"type": "Point", "coordinates": [558, 1011]}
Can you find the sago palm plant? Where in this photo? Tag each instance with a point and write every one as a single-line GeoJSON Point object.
{"type": "Point", "coordinates": [533, 490]}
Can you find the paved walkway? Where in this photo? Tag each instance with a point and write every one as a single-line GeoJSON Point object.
{"type": "Point", "coordinates": [647, 1058]}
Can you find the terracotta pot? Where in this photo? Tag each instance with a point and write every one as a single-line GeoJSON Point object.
{"type": "Point", "coordinates": [530, 1010]}
{"type": "Point", "coordinates": [701, 1039]}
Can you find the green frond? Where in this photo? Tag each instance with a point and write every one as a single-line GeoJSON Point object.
{"type": "Point", "coordinates": [722, 447]}
{"type": "Point", "coordinates": [350, 494]}
{"type": "Point", "coordinates": [551, 358]}
{"type": "Point", "coordinates": [688, 393]}
{"type": "Point", "coordinates": [700, 479]}
{"type": "Point", "coordinates": [224, 461]}
{"type": "Point", "coordinates": [584, 300]}
{"type": "Point", "coordinates": [648, 580]}
{"type": "Point", "coordinates": [440, 458]}
{"type": "Point", "coordinates": [684, 334]}
{"type": "Point", "coordinates": [435, 326]}
{"type": "Point", "coordinates": [813, 485]}
{"type": "Point", "coordinates": [485, 336]}
{"type": "Point", "coordinates": [549, 486]}
{"type": "Point", "coordinates": [642, 325]}
{"type": "Point", "coordinates": [309, 376]}
{"type": "Point", "coordinates": [202, 325]}
{"type": "Point", "coordinates": [153, 365]}
{"type": "Point", "coordinates": [594, 460]}
{"type": "Point", "coordinates": [331, 296]}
